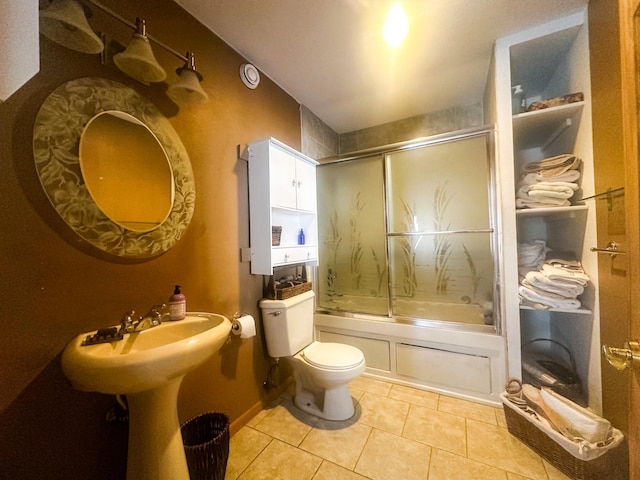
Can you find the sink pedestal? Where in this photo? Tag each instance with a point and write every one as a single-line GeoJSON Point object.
{"type": "Point", "coordinates": [156, 451]}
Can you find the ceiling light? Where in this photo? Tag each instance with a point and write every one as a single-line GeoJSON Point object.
{"type": "Point", "coordinates": [396, 27]}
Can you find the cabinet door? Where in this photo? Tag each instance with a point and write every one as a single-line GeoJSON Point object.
{"type": "Point", "coordinates": [282, 178]}
{"type": "Point", "coordinates": [306, 183]}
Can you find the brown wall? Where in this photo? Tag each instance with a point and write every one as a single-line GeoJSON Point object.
{"type": "Point", "coordinates": [54, 290]}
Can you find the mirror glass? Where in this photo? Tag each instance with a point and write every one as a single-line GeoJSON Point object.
{"type": "Point", "coordinates": [113, 168]}
{"type": "Point", "coordinates": [126, 171]}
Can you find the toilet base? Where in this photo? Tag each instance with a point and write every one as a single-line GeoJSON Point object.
{"type": "Point", "coordinates": [336, 403]}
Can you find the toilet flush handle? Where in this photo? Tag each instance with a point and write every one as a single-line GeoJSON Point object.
{"type": "Point", "coordinates": [276, 313]}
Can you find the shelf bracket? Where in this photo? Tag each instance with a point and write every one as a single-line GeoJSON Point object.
{"type": "Point", "coordinates": [243, 152]}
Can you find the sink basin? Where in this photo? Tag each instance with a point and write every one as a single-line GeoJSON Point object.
{"type": "Point", "coordinates": [147, 359]}
{"type": "Point", "coordinates": [148, 367]}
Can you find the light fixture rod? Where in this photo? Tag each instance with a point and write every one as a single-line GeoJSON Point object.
{"type": "Point", "coordinates": [134, 27]}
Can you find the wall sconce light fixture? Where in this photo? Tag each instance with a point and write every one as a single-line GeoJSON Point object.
{"type": "Point", "coordinates": [138, 60]}
{"type": "Point", "coordinates": [65, 22]}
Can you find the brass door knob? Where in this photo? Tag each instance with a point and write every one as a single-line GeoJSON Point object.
{"type": "Point", "coordinates": [623, 358]}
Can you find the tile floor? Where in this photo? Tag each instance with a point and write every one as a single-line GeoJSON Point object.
{"type": "Point", "coordinates": [397, 433]}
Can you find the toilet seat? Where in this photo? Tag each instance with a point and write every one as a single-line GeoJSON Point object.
{"type": "Point", "coordinates": [332, 356]}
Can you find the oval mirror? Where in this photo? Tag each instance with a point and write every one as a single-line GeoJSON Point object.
{"type": "Point", "coordinates": [126, 171]}
{"type": "Point", "coordinates": [114, 168]}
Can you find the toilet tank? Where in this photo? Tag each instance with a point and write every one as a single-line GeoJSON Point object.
{"type": "Point", "coordinates": [288, 324]}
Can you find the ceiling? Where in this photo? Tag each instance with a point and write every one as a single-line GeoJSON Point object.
{"type": "Point", "coordinates": [329, 55]}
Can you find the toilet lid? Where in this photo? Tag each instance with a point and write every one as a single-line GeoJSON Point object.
{"type": "Point", "coordinates": [333, 356]}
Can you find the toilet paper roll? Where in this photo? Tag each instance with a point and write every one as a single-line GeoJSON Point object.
{"type": "Point", "coordinates": [245, 326]}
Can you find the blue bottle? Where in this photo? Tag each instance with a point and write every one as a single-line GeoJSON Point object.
{"type": "Point", "coordinates": [301, 237]}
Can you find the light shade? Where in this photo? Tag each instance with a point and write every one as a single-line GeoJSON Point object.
{"type": "Point", "coordinates": [138, 61]}
{"type": "Point", "coordinates": [64, 22]}
{"type": "Point", "coordinates": [187, 90]}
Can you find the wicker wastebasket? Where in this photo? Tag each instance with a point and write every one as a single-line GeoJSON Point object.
{"type": "Point", "coordinates": [206, 446]}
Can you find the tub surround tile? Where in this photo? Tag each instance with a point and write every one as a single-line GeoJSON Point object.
{"type": "Point", "coordinates": [438, 429]}
{"type": "Point", "coordinates": [280, 461]}
{"type": "Point", "coordinates": [389, 457]}
{"type": "Point", "coordinates": [338, 442]}
{"type": "Point", "coordinates": [383, 413]}
{"type": "Point", "coordinates": [447, 466]}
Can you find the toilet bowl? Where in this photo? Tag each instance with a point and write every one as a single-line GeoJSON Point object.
{"type": "Point", "coordinates": [321, 370]}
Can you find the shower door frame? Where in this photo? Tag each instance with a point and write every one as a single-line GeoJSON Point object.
{"type": "Point", "coordinates": [494, 222]}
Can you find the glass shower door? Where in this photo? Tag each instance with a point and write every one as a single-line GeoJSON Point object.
{"type": "Point", "coordinates": [353, 269]}
{"type": "Point", "coordinates": [440, 236]}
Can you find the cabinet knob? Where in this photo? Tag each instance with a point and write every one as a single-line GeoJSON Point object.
{"type": "Point", "coordinates": [299, 183]}
{"type": "Point", "coordinates": [294, 183]}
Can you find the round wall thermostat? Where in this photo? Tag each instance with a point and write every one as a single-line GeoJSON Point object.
{"type": "Point", "coordinates": [249, 75]}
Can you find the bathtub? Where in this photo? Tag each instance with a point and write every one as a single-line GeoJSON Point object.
{"type": "Point", "coordinates": [432, 356]}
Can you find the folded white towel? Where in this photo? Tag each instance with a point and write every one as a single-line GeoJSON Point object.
{"type": "Point", "coordinates": [531, 254]}
{"type": "Point", "coordinates": [581, 422]}
{"type": "Point", "coordinates": [554, 165]}
{"type": "Point", "coordinates": [541, 202]}
{"type": "Point", "coordinates": [570, 176]}
{"type": "Point", "coordinates": [541, 281]}
{"type": "Point", "coordinates": [544, 189]}
{"type": "Point", "coordinates": [567, 275]}
{"type": "Point", "coordinates": [550, 300]}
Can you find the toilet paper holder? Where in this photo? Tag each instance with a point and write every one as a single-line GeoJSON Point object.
{"type": "Point", "coordinates": [235, 328]}
{"type": "Point", "coordinates": [243, 325]}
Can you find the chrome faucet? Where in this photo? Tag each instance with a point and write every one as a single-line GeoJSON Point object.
{"type": "Point", "coordinates": [152, 319]}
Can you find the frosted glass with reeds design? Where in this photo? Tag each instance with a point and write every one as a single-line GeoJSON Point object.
{"type": "Point", "coordinates": [435, 258]}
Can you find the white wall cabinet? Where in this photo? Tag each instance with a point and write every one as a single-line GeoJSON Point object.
{"type": "Point", "coordinates": [282, 192]}
{"type": "Point", "coordinates": [549, 61]}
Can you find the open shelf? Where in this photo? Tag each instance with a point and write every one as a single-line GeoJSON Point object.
{"type": "Point", "coordinates": [542, 127]}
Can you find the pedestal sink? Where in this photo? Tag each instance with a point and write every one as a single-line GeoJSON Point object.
{"type": "Point", "coordinates": [148, 367]}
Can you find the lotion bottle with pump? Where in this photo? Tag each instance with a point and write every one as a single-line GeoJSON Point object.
{"type": "Point", "coordinates": [177, 305]}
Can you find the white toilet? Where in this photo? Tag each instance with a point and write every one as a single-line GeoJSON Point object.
{"type": "Point", "coordinates": [322, 371]}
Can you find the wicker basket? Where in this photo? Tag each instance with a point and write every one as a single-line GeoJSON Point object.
{"type": "Point", "coordinates": [206, 446]}
{"type": "Point", "coordinates": [611, 465]}
{"type": "Point", "coordinates": [276, 232]}
{"type": "Point", "coordinates": [284, 291]}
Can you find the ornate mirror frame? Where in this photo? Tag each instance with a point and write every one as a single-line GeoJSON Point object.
{"type": "Point", "coordinates": [56, 137]}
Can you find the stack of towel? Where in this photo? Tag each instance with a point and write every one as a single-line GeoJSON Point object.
{"type": "Point", "coordinates": [554, 280]}
{"type": "Point", "coordinates": [549, 183]}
